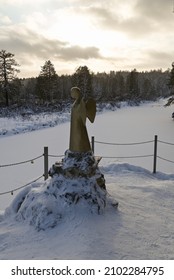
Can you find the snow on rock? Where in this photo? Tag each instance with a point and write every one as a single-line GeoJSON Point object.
{"type": "Point", "coordinates": [77, 185]}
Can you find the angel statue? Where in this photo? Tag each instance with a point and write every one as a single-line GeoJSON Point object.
{"type": "Point", "coordinates": [79, 141]}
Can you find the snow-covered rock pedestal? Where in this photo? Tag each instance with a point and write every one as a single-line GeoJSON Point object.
{"type": "Point", "coordinates": [76, 186]}
{"type": "Point", "coordinates": [84, 182]}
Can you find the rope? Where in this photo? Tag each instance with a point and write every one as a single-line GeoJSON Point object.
{"type": "Point", "coordinates": [22, 162]}
{"type": "Point", "coordinates": [166, 143]}
{"type": "Point", "coordinates": [12, 191]}
{"type": "Point", "coordinates": [143, 156]}
{"type": "Point", "coordinates": [56, 155]}
{"type": "Point", "coordinates": [124, 144]}
{"type": "Point", "coordinates": [165, 159]}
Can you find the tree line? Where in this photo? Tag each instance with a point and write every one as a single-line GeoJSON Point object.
{"type": "Point", "coordinates": [51, 88]}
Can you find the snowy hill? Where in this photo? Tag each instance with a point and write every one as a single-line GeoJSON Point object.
{"type": "Point", "coordinates": [141, 228]}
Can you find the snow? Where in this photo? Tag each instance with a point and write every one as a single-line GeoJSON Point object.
{"type": "Point", "coordinates": [76, 185]}
{"type": "Point", "coordinates": [141, 228]}
{"type": "Point", "coordinates": [21, 124]}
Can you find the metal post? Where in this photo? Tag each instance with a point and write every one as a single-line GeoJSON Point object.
{"type": "Point", "coordinates": [46, 163]}
{"type": "Point", "coordinates": [92, 143]}
{"type": "Point", "coordinates": [155, 153]}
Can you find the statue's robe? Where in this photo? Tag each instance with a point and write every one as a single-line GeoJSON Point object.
{"type": "Point", "coordinates": [79, 141]}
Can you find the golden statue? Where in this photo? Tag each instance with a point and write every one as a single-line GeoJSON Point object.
{"type": "Point", "coordinates": [79, 141]}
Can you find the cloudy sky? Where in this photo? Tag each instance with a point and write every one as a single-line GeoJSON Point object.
{"type": "Point", "coordinates": [101, 34]}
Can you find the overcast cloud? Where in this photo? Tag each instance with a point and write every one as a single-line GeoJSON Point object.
{"type": "Point", "coordinates": [104, 35]}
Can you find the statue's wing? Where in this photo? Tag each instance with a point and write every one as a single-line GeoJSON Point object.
{"type": "Point", "coordinates": [91, 109]}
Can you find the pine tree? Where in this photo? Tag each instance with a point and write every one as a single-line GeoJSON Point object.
{"type": "Point", "coordinates": [8, 72]}
{"type": "Point", "coordinates": [132, 85]}
{"type": "Point", "coordinates": [83, 79]}
{"type": "Point", "coordinates": [46, 85]}
{"type": "Point", "coordinates": [120, 85]}
{"type": "Point", "coordinates": [171, 80]}
{"type": "Point", "coordinates": [171, 86]}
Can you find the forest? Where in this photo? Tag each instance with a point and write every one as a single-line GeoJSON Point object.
{"type": "Point", "coordinates": [49, 89]}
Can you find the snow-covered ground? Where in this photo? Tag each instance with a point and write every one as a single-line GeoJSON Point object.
{"type": "Point", "coordinates": [141, 228]}
{"type": "Point", "coordinates": [20, 124]}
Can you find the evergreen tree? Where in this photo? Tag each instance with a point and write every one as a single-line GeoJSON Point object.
{"type": "Point", "coordinates": [8, 72]}
{"type": "Point", "coordinates": [65, 84]}
{"type": "Point", "coordinates": [147, 89]}
{"type": "Point", "coordinates": [83, 79]}
{"type": "Point", "coordinates": [120, 86]}
{"type": "Point", "coordinates": [46, 85]}
{"type": "Point", "coordinates": [132, 85]}
{"type": "Point", "coordinates": [112, 85]}
{"type": "Point", "coordinates": [171, 80]}
{"type": "Point", "coordinates": [29, 90]}
{"type": "Point", "coordinates": [15, 88]}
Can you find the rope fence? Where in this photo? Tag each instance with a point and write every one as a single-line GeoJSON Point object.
{"type": "Point", "coordinates": [167, 143]}
{"type": "Point", "coordinates": [56, 156]}
{"type": "Point", "coordinates": [127, 156]}
{"type": "Point", "coordinates": [154, 155]}
{"type": "Point", "coordinates": [21, 162]}
{"type": "Point", "coordinates": [165, 159]}
{"type": "Point", "coordinates": [21, 187]}
{"type": "Point", "coordinates": [46, 156]}
{"type": "Point", "coordinates": [124, 144]}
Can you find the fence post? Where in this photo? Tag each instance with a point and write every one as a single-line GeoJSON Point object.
{"type": "Point", "coordinates": [92, 143]}
{"type": "Point", "coordinates": [45, 163]}
{"type": "Point", "coordinates": [155, 153]}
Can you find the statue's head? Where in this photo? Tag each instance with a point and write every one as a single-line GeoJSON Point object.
{"type": "Point", "coordinates": [75, 92]}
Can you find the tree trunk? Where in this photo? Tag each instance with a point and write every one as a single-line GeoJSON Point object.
{"type": "Point", "coordinates": [6, 96]}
